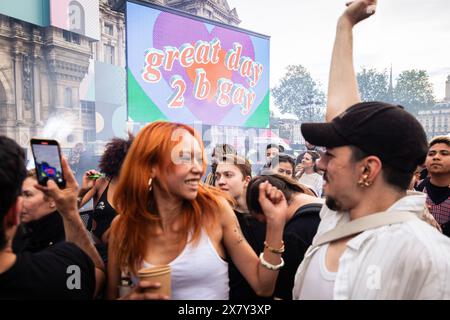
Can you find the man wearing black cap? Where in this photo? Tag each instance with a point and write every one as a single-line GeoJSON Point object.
{"type": "Point", "coordinates": [371, 243]}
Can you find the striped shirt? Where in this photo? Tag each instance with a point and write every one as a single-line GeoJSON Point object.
{"type": "Point", "coordinates": [409, 260]}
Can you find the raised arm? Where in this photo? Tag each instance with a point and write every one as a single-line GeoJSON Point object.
{"type": "Point", "coordinates": [66, 204]}
{"type": "Point", "coordinates": [89, 188]}
{"type": "Point", "coordinates": [342, 85]}
{"type": "Point", "coordinates": [261, 278]}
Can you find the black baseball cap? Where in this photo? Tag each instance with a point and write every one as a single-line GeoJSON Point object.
{"type": "Point", "coordinates": [377, 128]}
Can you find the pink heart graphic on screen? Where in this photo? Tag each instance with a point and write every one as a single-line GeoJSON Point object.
{"type": "Point", "coordinates": [192, 31]}
{"type": "Point", "coordinates": [215, 71]}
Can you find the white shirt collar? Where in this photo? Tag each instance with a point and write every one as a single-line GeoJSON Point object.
{"type": "Point", "coordinates": [413, 202]}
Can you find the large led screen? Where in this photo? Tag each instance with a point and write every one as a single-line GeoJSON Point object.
{"type": "Point", "coordinates": [184, 69]}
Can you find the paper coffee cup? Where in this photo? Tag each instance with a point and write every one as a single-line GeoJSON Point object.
{"type": "Point", "coordinates": [159, 274]}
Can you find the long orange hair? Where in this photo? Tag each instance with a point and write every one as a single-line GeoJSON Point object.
{"type": "Point", "coordinates": [135, 204]}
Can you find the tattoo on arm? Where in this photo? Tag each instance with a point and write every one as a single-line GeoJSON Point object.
{"type": "Point", "coordinates": [238, 231]}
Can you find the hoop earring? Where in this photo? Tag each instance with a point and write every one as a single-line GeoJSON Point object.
{"type": "Point", "coordinates": [150, 187]}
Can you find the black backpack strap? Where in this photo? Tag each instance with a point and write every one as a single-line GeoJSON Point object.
{"type": "Point", "coordinates": [309, 208]}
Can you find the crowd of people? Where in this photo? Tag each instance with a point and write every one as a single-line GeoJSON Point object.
{"type": "Point", "coordinates": [364, 215]}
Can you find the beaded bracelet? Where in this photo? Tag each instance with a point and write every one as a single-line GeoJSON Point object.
{"type": "Point", "coordinates": [274, 250]}
{"type": "Point", "coordinates": [268, 265]}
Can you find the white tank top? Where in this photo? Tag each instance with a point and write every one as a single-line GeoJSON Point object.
{"type": "Point", "coordinates": [198, 273]}
{"type": "Point", "coordinates": [318, 282]}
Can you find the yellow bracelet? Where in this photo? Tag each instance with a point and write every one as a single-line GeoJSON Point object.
{"type": "Point", "coordinates": [275, 250]}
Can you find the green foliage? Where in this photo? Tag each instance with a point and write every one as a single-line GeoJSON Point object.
{"type": "Point", "coordinates": [298, 93]}
{"type": "Point", "coordinates": [414, 90]}
{"type": "Point", "coordinates": [374, 85]}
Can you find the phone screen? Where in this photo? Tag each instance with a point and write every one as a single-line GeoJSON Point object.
{"type": "Point", "coordinates": [47, 161]}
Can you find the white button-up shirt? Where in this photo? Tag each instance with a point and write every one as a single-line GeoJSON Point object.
{"type": "Point", "coordinates": [409, 260]}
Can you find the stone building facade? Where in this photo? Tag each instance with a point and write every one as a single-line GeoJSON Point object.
{"type": "Point", "coordinates": [436, 120]}
{"type": "Point", "coordinates": [41, 69]}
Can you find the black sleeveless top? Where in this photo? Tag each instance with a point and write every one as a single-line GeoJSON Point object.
{"type": "Point", "coordinates": [103, 215]}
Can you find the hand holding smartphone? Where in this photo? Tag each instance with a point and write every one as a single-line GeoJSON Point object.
{"type": "Point", "coordinates": [47, 159]}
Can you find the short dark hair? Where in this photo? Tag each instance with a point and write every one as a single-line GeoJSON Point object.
{"type": "Point", "coordinates": [112, 159]}
{"type": "Point", "coordinates": [392, 176]}
{"type": "Point", "coordinates": [276, 146]}
{"type": "Point", "coordinates": [285, 184]}
{"type": "Point", "coordinates": [440, 139]}
{"type": "Point", "coordinates": [12, 175]}
{"type": "Point", "coordinates": [283, 157]}
{"type": "Point", "coordinates": [241, 163]}
{"type": "Point", "coordinates": [314, 155]}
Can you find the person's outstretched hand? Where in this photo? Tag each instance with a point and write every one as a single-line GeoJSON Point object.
{"type": "Point", "coordinates": [65, 199]}
{"type": "Point", "coordinates": [359, 10]}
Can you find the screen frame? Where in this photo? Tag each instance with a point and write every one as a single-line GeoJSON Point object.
{"type": "Point", "coordinates": [47, 142]}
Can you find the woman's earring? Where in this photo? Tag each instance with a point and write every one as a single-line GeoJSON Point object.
{"type": "Point", "coordinates": [150, 184]}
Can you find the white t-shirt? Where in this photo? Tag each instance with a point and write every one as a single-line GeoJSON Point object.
{"type": "Point", "coordinates": [313, 181]}
{"type": "Point", "coordinates": [318, 285]}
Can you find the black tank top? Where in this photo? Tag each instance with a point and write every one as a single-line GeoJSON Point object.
{"type": "Point", "coordinates": [103, 215]}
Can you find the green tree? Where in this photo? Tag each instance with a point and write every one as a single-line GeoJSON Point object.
{"type": "Point", "coordinates": [414, 90]}
{"type": "Point", "coordinates": [299, 94]}
{"type": "Point", "coordinates": [373, 85]}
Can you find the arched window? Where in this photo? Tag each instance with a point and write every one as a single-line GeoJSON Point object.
{"type": "Point", "coordinates": [76, 17]}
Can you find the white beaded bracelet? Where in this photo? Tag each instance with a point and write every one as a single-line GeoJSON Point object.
{"type": "Point", "coordinates": [268, 265]}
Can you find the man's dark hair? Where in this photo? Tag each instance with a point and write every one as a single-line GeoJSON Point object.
{"type": "Point", "coordinates": [241, 163]}
{"type": "Point", "coordinates": [114, 155]}
{"type": "Point", "coordinates": [396, 178]}
{"type": "Point", "coordinates": [276, 146]}
{"type": "Point", "coordinates": [285, 184]}
{"type": "Point", "coordinates": [12, 174]}
{"type": "Point", "coordinates": [314, 155]}
{"type": "Point", "coordinates": [283, 157]}
{"type": "Point", "coordinates": [440, 139]}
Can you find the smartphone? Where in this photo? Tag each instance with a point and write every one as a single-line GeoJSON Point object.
{"type": "Point", "coordinates": [47, 160]}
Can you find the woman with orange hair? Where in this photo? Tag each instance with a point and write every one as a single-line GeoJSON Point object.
{"type": "Point", "coordinates": [167, 216]}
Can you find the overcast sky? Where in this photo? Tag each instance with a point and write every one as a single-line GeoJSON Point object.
{"type": "Point", "coordinates": [407, 33]}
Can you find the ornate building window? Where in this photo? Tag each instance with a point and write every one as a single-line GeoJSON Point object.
{"type": "Point", "coordinates": [108, 29]}
{"type": "Point", "coordinates": [71, 37]}
{"type": "Point", "coordinates": [27, 79]}
{"type": "Point", "coordinates": [109, 54]}
{"type": "Point", "coordinates": [68, 97]}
